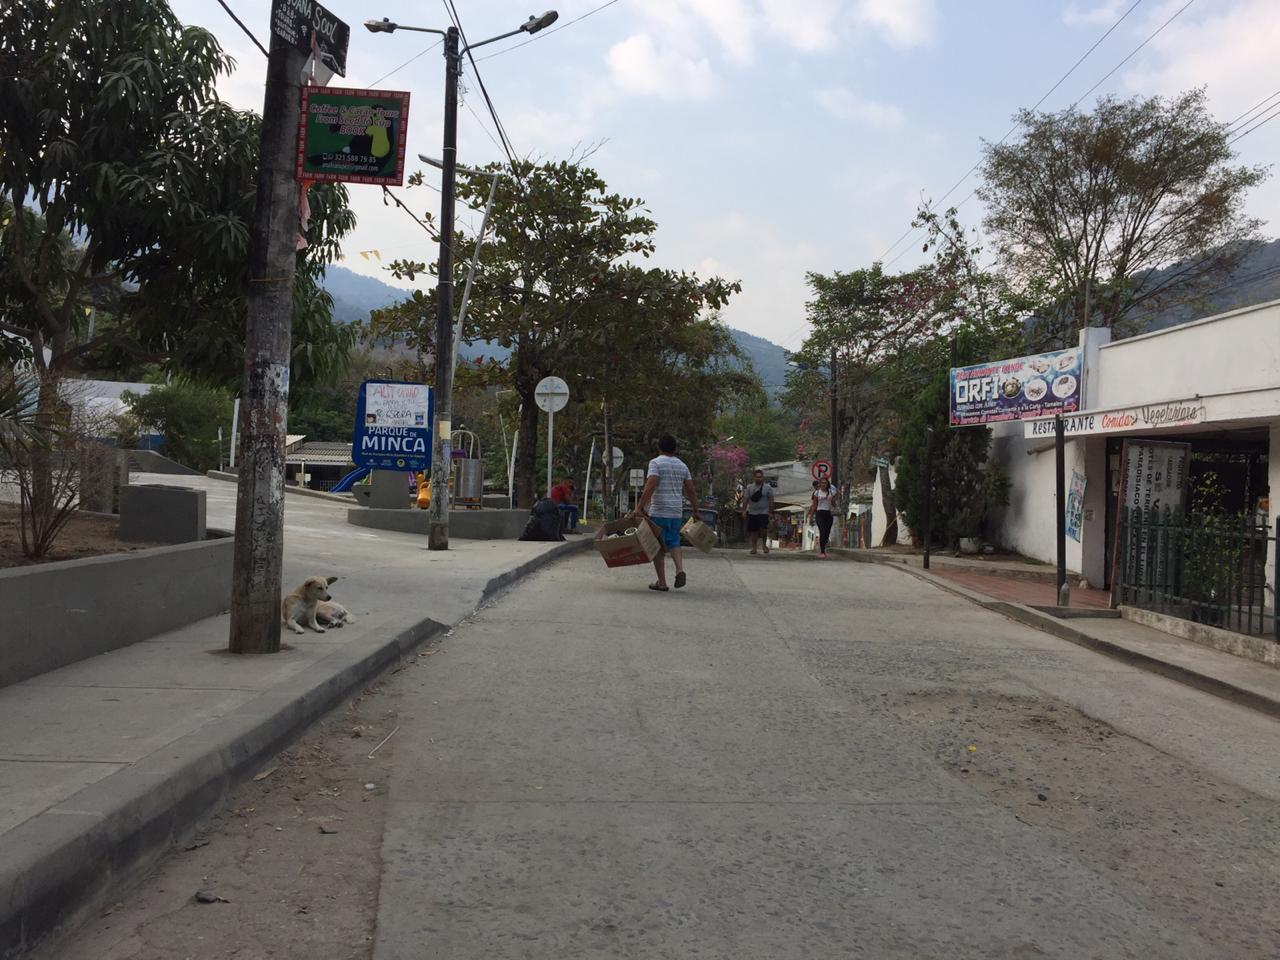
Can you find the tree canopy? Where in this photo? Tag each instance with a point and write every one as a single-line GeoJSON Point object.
{"type": "Point", "coordinates": [1103, 213]}
{"type": "Point", "coordinates": [561, 286]}
{"type": "Point", "coordinates": [128, 187]}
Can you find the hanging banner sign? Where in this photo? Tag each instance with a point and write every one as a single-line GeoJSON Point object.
{"type": "Point", "coordinates": [393, 426]}
{"type": "Point", "coordinates": [1075, 505]}
{"type": "Point", "coordinates": [353, 136]}
{"type": "Point", "coordinates": [1154, 474]}
{"type": "Point", "coordinates": [1045, 384]}
{"type": "Point", "coordinates": [295, 21]}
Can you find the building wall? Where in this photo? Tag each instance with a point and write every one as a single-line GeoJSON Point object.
{"type": "Point", "coordinates": [1230, 353]}
{"type": "Point", "coordinates": [1273, 481]}
{"type": "Point", "coordinates": [1028, 525]}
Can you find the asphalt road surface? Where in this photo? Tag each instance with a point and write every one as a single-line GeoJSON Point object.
{"type": "Point", "coordinates": [786, 759]}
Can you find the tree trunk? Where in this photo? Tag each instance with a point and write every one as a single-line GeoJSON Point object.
{"type": "Point", "coordinates": [890, 509]}
{"type": "Point", "coordinates": [47, 404]}
{"type": "Point", "coordinates": [527, 453]}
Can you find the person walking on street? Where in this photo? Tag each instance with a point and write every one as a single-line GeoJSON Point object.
{"type": "Point", "coordinates": [822, 509]}
{"type": "Point", "coordinates": [757, 510]}
{"type": "Point", "coordinates": [669, 481]}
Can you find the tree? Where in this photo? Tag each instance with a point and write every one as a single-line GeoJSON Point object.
{"type": "Point", "coordinates": [134, 185]}
{"type": "Point", "coordinates": [965, 486]}
{"type": "Point", "coordinates": [560, 289]}
{"type": "Point", "coordinates": [188, 416]}
{"type": "Point", "coordinates": [1087, 209]}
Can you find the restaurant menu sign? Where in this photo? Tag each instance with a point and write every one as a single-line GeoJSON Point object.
{"type": "Point", "coordinates": [1042, 385]}
{"type": "Point", "coordinates": [355, 136]}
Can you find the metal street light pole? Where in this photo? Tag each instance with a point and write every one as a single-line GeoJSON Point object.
{"type": "Point", "coordinates": [441, 455]}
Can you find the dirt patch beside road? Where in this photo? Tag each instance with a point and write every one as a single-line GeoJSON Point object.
{"type": "Point", "coordinates": [289, 868]}
{"type": "Point", "coordinates": [83, 536]}
{"type": "Point", "coordinates": [1105, 798]}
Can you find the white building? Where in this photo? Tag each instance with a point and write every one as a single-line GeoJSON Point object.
{"type": "Point", "coordinates": [1213, 383]}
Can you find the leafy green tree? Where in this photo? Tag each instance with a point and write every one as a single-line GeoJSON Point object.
{"type": "Point", "coordinates": [560, 287]}
{"type": "Point", "coordinates": [965, 486]}
{"type": "Point", "coordinates": [187, 415]}
{"type": "Point", "coordinates": [136, 185]}
{"type": "Point", "coordinates": [1086, 208]}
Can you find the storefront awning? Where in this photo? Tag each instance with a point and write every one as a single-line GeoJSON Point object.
{"type": "Point", "coordinates": [1243, 406]}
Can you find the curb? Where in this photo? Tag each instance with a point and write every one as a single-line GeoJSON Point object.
{"type": "Point", "coordinates": [913, 561]}
{"type": "Point", "coordinates": [61, 863]}
{"type": "Point", "coordinates": [1031, 617]}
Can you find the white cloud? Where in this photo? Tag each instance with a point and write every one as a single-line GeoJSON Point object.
{"type": "Point", "coordinates": [1102, 14]}
{"type": "Point", "coordinates": [809, 26]}
{"type": "Point", "coordinates": [904, 23]}
{"type": "Point", "coordinates": [639, 66]}
{"type": "Point", "coordinates": [847, 105]}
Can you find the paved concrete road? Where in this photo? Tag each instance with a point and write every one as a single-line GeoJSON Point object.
{"type": "Point", "coordinates": [811, 760]}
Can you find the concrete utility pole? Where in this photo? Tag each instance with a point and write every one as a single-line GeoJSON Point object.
{"type": "Point", "coordinates": [259, 544]}
{"type": "Point", "coordinates": [441, 454]}
{"type": "Point", "coordinates": [835, 426]}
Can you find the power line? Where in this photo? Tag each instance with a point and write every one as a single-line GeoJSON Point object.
{"type": "Point", "coordinates": [452, 11]}
{"type": "Point", "coordinates": [547, 33]}
{"type": "Point", "coordinates": [422, 53]}
{"type": "Point", "coordinates": [1135, 50]}
{"type": "Point", "coordinates": [1253, 108]}
{"type": "Point", "coordinates": [1062, 79]}
{"type": "Point", "coordinates": [240, 23]}
{"type": "Point", "coordinates": [1265, 120]}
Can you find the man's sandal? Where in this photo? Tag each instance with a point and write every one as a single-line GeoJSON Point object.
{"type": "Point", "coordinates": [660, 587]}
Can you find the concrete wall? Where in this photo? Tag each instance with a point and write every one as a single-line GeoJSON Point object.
{"type": "Point", "coordinates": [54, 614]}
{"type": "Point", "coordinates": [1273, 481]}
{"type": "Point", "coordinates": [1231, 353]}
{"type": "Point", "coordinates": [1028, 525]}
{"type": "Point", "coordinates": [879, 521]}
{"type": "Point", "coordinates": [463, 524]}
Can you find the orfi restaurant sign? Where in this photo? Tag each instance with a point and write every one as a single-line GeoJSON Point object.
{"type": "Point", "coordinates": [356, 136]}
{"type": "Point", "coordinates": [1045, 384]}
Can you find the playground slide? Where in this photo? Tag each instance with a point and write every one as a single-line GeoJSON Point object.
{"type": "Point", "coordinates": [350, 480]}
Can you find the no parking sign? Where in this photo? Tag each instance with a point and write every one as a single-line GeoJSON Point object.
{"type": "Point", "coordinates": [821, 470]}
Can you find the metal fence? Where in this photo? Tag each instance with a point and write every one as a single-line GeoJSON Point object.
{"type": "Point", "coordinates": [1213, 572]}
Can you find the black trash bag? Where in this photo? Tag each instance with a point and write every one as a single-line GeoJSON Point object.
{"type": "Point", "coordinates": [544, 522]}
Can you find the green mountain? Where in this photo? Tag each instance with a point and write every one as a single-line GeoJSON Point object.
{"type": "Point", "coordinates": [355, 294]}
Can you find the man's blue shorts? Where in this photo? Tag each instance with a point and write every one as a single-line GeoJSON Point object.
{"type": "Point", "coordinates": [670, 528]}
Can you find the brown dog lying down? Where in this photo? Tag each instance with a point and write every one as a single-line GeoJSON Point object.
{"type": "Point", "coordinates": [311, 604]}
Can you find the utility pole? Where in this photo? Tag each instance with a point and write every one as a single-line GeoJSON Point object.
{"type": "Point", "coordinates": [1063, 596]}
{"type": "Point", "coordinates": [609, 492]}
{"type": "Point", "coordinates": [835, 426]}
{"type": "Point", "coordinates": [441, 454]}
{"type": "Point", "coordinates": [264, 406]}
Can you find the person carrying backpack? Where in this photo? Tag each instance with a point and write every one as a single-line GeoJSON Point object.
{"type": "Point", "coordinates": [757, 510]}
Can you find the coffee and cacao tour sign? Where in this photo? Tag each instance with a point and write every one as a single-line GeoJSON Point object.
{"type": "Point", "coordinates": [297, 22]}
{"type": "Point", "coordinates": [1044, 384]}
{"type": "Point", "coordinates": [353, 136]}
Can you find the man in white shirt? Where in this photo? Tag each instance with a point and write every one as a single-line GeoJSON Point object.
{"type": "Point", "coordinates": [668, 482]}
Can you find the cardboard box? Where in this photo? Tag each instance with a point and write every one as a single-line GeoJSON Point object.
{"type": "Point", "coordinates": [699, 534]}
{"type": "Point", "coordinates": [628, 550]}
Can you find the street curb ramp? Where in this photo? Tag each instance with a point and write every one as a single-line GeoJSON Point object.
{"type": "Point", "coordinates": [60, 864]}
{"type": "Point", "coordinates": [1047, 623]}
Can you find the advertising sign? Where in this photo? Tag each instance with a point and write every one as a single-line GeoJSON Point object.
{"type": "Point", "coordinates": [1075, 505]}
{"type": "Point", "coordinates": [294, 22]}
{"type": "Point", "coordinates": [1154, 474]}
{"type": "Point", "coordinates": [354, 136]}
{"type": "Point", "coordinates": [1152, 416]}
{"type": "Point", "coordinates": [1045, 384]}
{"type": "Point", "coordinates": [393, 426]}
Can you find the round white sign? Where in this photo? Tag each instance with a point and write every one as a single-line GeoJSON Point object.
{"type": "Point", "coordinates": [552, 394]}
{"type": "Point", "coordinates": [617, 458]}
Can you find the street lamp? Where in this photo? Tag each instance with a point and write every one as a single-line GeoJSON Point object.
{"type": "Point", "coordinates": [438, 535]}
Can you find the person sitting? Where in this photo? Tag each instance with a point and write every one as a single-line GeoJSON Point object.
{"type": "Point", "coordinates": [564, 497]}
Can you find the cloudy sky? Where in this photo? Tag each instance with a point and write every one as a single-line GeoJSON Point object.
{"type": "Point", "coordinates": [771, 137]}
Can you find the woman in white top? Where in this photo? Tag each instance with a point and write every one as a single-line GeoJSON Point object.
{"type": "Point", "coordinates": [822, 508]}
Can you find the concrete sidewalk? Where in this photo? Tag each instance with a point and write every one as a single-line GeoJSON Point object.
{"type": "Point", "coordinates": [1245, 682]}
{"type": "Point", "coordinates": [104, 763]}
